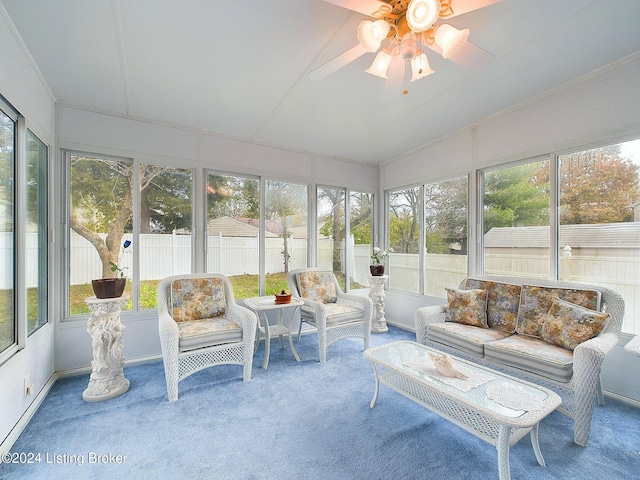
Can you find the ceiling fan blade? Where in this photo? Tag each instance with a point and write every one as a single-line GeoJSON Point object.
{"type": "Point", "coordinates": [336, 63]}
{"type": "Point", "coordinates": [471, 56]}
{"type": "Point", "coordinates": [461, 7]}
{"type": "Point", "coordinates": [366, 7]}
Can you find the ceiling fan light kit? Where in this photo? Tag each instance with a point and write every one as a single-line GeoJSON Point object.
{"type": "Point", "coordinates": [371, 34]}
{"type": "Point", "coordinates": [422, 14]}
{"type": "Point", "coordinates": [450, 39]}
{"type": "Point", "coordinates": [402, 30]}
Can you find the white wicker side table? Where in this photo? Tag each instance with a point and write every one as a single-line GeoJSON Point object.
{"type": "Point", "coordinates": [261, 305]}
{"type": "Point", "coordinates": [107, 377]}
{"type": "Point", "coordinates": [376, 293]}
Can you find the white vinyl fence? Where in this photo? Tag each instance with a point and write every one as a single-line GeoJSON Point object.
{"type": "Point", "coordinates": [165, 255]}
{"type": "Point", "coordinates": [170, 254]}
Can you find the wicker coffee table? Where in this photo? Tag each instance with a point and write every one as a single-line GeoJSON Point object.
{"type": "Point", "coordinates": [497, 408]}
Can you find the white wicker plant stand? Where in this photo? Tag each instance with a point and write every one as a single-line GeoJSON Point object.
{"type": "Point", "coordinates": [473, 410]}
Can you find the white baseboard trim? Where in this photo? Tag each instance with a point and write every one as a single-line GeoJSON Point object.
{"type": "Point", "coordinates": [622, 399]}
{"type": "Point", "coordinates": [74, 372]}
{"type": "Point", "coordinates": [26, 417]}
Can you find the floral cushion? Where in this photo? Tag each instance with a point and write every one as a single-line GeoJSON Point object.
{"type": "Point", "coordinates": [318, 286]}
{"type": "Point", "coordinates": [467, 306]}
{"type": "Point", "coordinates": [502, 303]}
{"type": "Point", "coordinates": [535, 303]}
{"type": "Point", "coordinates": [568, 325]}
{"type": "Point", "coordinates": [206, 332]}
{"type": "Point", "coordinates": [197, 298]}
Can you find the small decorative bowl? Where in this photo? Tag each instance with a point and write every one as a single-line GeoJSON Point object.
{"type": "Point", "coordinates": [283, 297]}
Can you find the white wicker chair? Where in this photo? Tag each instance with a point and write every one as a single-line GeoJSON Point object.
{"type": "Point", "coordinates": [183, 356]}
{"type": "Point", "coordinates": [331, 325]}
{"type": "Point", "coordinates": [580, 392]}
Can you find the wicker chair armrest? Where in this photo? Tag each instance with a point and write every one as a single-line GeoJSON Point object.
{"type": "Point", "coordinates": [354, 300]}
{"type": "Point", "coordinates": [317, 306]}
{"type": "Point", "coordinates": [241, 316]}
{"type": "Point", "coordinates": [167, 325]}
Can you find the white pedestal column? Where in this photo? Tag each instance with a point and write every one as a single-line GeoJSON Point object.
{"type": "Point", "coordinates": [376, 293]}
{"type": "Point", "coordinates": [107, 376]}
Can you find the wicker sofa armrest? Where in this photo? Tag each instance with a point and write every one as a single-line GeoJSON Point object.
{"type": "Point", "coordinates": [424, 316]}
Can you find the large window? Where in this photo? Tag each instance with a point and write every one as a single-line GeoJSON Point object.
{"type": "Point", "coordinates": [7, 204]}
{"type": "Point", "coordinates": [102, 240]}
{"type": "Point", "coordinates": [359, 240]}
{"type": "Point", "coordinates": [286, 211]}
{"type": "Point", "coordinates": [233, 232]}
{"type": "Point", "coordinates": [344, 241]}
{"type": "Point", "coordinates": [331, 253]}
{"type": "Point", "coordinates": [516, 220]}
{"type": "Point", "coordinates": [445, 235]}
{"type": "Point", "coordinates": [36, 233]}
{"type": "Point", "coordinates": [404, 239]}
{"type": "Point", "coordinates": [101, 202]}
{"type": "Point", "coordinates": [599, 233]}
{"type": "Point", "coordinates": [23, 232]}
{"type": "Point", "coordinates": [165, 228]}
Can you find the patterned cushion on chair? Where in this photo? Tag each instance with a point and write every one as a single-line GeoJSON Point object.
{"type": "Point", "coordinates": [336, 313]}
{"type": "Point", "coordinates": [197, 298]}
{"type": "Point", "coordinates": [318, 286]}
{"type": "Point", "coordinates": [535, 302]}
{"type": "Point", "coordinates": [211, 331]}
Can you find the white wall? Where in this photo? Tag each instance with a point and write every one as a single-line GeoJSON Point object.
{"type": "Point", "coordinates": [21, 84]}
{"type": "Point", "coordinates": [599, 108]}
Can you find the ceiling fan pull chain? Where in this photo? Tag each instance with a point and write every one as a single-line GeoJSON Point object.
{"type": "Point", "coordinates": [406, 90]}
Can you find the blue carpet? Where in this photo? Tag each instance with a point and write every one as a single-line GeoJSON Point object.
{"type": "Point", "coordinates": [295, 421]}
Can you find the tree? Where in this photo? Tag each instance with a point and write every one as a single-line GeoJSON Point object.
{"type": "Point", "coordinates": [361, 209]}
{"type": "Point", "coordinates": [597, 186]}
{"type": "Point", "coordinates": [102, 202]}
{"type": "Point", "coordinates": [334, 222]}
{"type": "Point", "coordinates": [404, 220]}
{"type": "Point", "coordinates": [446, 215]}
{"type": "Point", "coordinates": [517, 196]}
{"type": "Point", "coordinates": [285, 200]}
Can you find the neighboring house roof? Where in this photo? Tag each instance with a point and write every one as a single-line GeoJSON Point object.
{"type": "Point", "coordinates": [606, 235]}
{"type": "Point", "coordinates": [240, 227]}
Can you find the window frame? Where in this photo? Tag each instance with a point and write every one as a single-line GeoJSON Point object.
{"type": "Point", "coordinates": [20, 320]}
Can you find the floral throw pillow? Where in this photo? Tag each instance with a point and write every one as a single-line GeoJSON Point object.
{"type": "Point", "coordinates": [317, 286]}
{"type": "Point", "coordinates": [568, 325]}
{"type": "Point", "coordinates": [535, 303]}
{"type": "Point", "coordinates": [197, 298]}
{"type": "Point", "coordinates": [467, 306]}
{"type": "Point", "coordinates": [503, 300]}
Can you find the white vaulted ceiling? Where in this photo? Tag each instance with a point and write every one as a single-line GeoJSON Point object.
{"type": "Point", "coordinates": [240, 68]}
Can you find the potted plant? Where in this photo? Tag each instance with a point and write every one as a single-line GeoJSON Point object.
{"type": "Point", "coordinates": [377, 261]}
{"type": "Point", "coordinates": [112, 287]}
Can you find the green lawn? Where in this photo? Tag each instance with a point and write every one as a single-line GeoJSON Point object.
{"type": "Point", "coordinates": [244, 286]}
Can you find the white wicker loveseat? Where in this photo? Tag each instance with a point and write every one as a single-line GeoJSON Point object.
{"type": "Point", "coordinates": [574, 375]}
{"type": "Point", "coordinates": [201, 325]}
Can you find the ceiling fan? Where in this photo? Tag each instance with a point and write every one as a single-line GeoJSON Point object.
{"type": "Point", "coordinates": [401, 28]}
